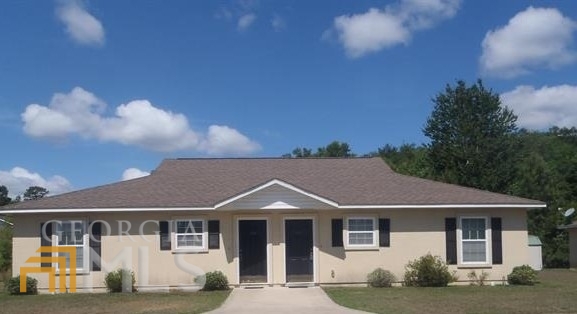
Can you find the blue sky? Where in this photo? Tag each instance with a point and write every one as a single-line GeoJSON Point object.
{"type": "Point", "coordinates": [90, 89]}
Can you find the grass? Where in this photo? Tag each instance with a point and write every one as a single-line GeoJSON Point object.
{"type": "Point", "coordinates": [177, 302]}
{"type": "Point", "coordinates": [556, 293]}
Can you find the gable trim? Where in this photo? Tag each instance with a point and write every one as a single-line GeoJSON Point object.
{"type": "Point", "coordinates": [408, 206]}
{"type": "Point", "coordinates": [280, 183]}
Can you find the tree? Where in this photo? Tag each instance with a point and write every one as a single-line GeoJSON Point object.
{"type": "Point", "coordinates": [301, 152]}
{"type": "Point", "coordinates": [35, 192]}
{"type": "Point", "coordinates": [4, 199]}
{"type": "Point", "coordinates": [407, 159]}
{"type": "Point", "coordinates": [5, 247]}
{"type": "Point", "coordinates": [334, 149]}
{"type": "Point", "coordinates": [471, 138]}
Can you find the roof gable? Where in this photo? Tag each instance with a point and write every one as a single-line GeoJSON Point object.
{"type": "Point", "coordinates": [276, 194]}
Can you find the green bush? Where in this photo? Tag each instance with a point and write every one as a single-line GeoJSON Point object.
{"type": "Point", "coordinates": [427, 271]}
{"type": "Point", "coordinates": [12, 286]}
{"type": "Point", "coordinates": [215, 280]}
{"type": "Point", "coordinates": [379, 278]}
{"type": "Point", "coordinates": [522, 275]}
{"type": "Point", "coordinates": [113, 280]}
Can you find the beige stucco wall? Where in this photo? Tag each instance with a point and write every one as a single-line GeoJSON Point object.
{"type": "Point", "coordinates": [573, 247]}
{"type": "Point", "coordinates": [414, 232]}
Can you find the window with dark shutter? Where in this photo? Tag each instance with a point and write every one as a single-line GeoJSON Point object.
{"type": "Point", "coordinates": [95, 241]}
{"type": "Point", "coordinates": [337, 232]}
{"type": "Point", "coordinates": [451, 240]}
{"type": "Point", "coordinates": [496, 241]}
{"type": "Point", "coordinates": [214, 234]}
{"type": "Point", "coordinates": [384, 232]}
{"type": "Point", "coordinates": [45, 240]}
{"type": "Point", "coordinates": [164, 235]}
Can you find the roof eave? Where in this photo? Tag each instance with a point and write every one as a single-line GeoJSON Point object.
{"type": "Point", "coordinates": [157, 209]}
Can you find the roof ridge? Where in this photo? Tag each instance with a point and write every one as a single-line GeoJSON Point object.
{"type": "Point", "coordinates": [272, 158]}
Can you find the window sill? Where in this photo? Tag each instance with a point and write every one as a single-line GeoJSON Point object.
{"type": "Point", "coordinates": [361, 248]}
{"type": "Point", "coordinates": [78, 273]}
{"type": "Point", "coordinates": [479, 265]}
{"type": "Point", "coordinates": [189, 251]}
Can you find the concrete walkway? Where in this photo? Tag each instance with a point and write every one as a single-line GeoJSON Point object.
{"type": "Point", "coordinates": [281, 300]}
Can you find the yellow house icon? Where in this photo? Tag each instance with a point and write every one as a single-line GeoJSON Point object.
{"type": "Point", "coordinates": [61, 260]}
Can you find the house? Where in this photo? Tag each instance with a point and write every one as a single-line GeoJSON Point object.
{"type": "Point", "coordinates": [272, 221]}
{"type": "Point", "coordinates": [572, 229]}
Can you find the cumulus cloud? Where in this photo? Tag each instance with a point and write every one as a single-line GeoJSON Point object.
{"type": "Point", "coordinates": [222, 140]}
{"type": "Point", "coordinates": [245, 21]}
{"type": "Point", "coordinates": [544, 107]}
{"type": "Point", "coordinates": [137, 123]}
{"type": "Point", "coordinates": [82, 27]}
{"type": "Point", "coordinates": [378, 29]}
{"type": "Point", "coordinates": [532, 39]}
{"type": "Point", "coordinates": [133, 173]}
{"type": "Point", "coordinates": [18, 179]}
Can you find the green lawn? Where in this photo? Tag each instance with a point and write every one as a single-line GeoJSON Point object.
{"type": "Point", "coordinates": [193, 302]}
{"type": "Point", "coordinates": [556, 293]}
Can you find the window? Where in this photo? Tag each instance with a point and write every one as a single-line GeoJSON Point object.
{"type": "Point", "coordinates": [190, 234]}
{"type": "Point", "coordinates": [474, 240]}
{"type": "Point", "coordinates": [73, 233]}
{"type": "Point", "coordinates": [361, 232]}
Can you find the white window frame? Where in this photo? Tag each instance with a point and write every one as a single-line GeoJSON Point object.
{"type": "Point", "coordinates": [189, 249]}
{"type": "Point", "coordinates": [374, 232]}
{"type": "Point", "coordinates": [487, 241]}
{"type": "Point", "coordinates": [56, 225]}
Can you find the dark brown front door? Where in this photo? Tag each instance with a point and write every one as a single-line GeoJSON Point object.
{"type": "Point", "coordinates": [252, 250]}
{"type": "Point", "coordinates": [299, 250]}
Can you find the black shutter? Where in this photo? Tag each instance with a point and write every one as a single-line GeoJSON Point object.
{"type": "Point", "coordinates": [214, 234]}
{"type": "Point", "coordinates": [451, 240]}
{"type": "Point", "coordinates": [95, 239]}
{"type": "Point", "coordinates": [337, 230]}
{"type": "Point", "coordinates": [46, 240]}
{"type": "Point", "coordinates": [496, 242]}
{"type": "Point", "coordinates": [384, 232]}
{"type": "Point", "coordinates": [164, 236]}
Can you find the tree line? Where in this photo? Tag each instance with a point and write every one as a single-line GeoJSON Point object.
{"type": "Point", "coordinates": [475, 142]}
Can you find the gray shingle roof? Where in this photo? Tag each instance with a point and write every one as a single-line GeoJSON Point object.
{"type": "Point", "coordinates": [207, 182]}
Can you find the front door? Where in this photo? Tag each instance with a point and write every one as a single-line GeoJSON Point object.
{"type": "Point", "coordinates": [252, 251]}
{"type": "Point", "coordinates": [299, 250]}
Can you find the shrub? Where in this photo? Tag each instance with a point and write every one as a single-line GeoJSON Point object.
{"type": "Point", "coordinates": [381, 278]}
{"type": "Point", "coordinates": [522, 275]}
{"type": "Point", "coordinates": [215, 280]}
{"type": "Point", "coordinates": [427, 271]}
{"type": "Point", "coordinates": [12, 286]}
{"type": "Point", "coordinates": [478, 280]}
{"type": "Point", "coordinates": [113, 280]}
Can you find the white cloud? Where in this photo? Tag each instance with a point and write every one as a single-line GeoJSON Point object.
{"type": "Point", "coordinates": [378, 29]}
{"type": "Point", "coordinates": [222, 140]}
{"type": "Point", "coordinates": [278, 23]}
{"type": "Point", "coordinates": [80, 25]}
{"type": "Point", "coordinates": [532, 39]}
{"type": "Point", "coordinates": [133, 173]}
{"type": "Point", "coordinates": [136, 123]}
{"type": "Point", "coordinates": [544, 107]}
{"type": "Point", "coordinates": [18, 179]}
{"type": "Point", "coordinates": [245, 21]}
